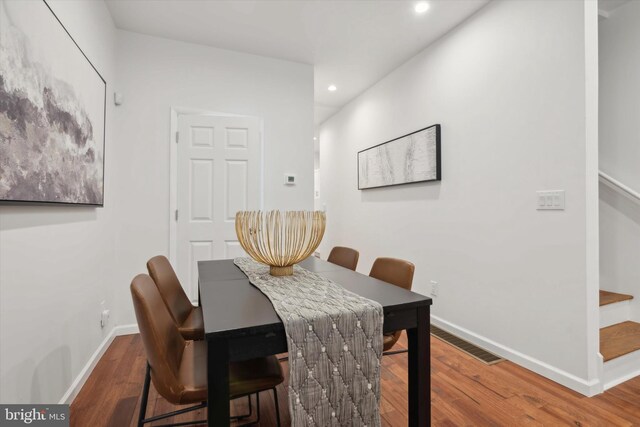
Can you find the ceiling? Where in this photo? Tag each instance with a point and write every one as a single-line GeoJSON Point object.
{"type": "Point", "coordinates": [351, 43]}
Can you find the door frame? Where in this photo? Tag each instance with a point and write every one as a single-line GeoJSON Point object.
{"type": "Point", "coordinates": [173, 168]}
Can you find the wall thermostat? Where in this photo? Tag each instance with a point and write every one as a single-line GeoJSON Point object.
{"type": "Point", "coordinates": [289, 179]}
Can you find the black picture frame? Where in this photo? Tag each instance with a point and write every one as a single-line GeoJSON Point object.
{"type": "Point", "coordinates": [438, 158]}
{"type": "Point", "coordinates": [19, 202]}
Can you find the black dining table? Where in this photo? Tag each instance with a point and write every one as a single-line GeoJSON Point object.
{"type": "Point", "coordinates": [240, 323]}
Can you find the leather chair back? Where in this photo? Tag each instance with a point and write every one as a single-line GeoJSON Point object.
{"type": "Point", "coordinates": [162, 341]}
{"type": "Point", "coordinates": [345, 257]}
{"type": "Point", "coordinates": [170, 289]}
{"type": "Point", "coordinates": [395, 271]}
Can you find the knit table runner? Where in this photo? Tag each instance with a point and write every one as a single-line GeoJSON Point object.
{"type": "Point", "coordinates": [335, 346]}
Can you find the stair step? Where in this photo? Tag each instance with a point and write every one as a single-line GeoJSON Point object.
{"type": "Point", "coordinates": [607, 297]}
{"type": "Point", "coordinates": [620, 339]}
{"type": "Point", "coordinates": [621, 369]}
{"type": "Point", "coordinates": [615, 313]}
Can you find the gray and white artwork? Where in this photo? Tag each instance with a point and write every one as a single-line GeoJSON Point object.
{"type": "Point", "coordinates": [52, 113]}
{"type": "Point", "coordinates": [411, 158]}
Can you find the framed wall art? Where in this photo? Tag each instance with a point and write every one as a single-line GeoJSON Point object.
{"type": "Point", "coordinates": [411, 158]}
{"type": "Point", "coordinates": [52, 111]}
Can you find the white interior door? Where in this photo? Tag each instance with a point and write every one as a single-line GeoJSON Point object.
{"type": "Point", "coordinates": [218, 174]}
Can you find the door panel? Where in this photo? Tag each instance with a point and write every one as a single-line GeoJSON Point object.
{"type": "Point", "coordinates": [201, 190]}
{"type": "Point", "coordinates": [233, 249]}
{"type": "Point", "coordinates": [218, 175]}
{"type": "Point", "coordinates": [237, 190]}
{"type": "Point", "coordinates": [237, 137]}
{"type": "Point", "coordinates": [201, 136]}
{"type": "Point", "coordinates": [198, 251]}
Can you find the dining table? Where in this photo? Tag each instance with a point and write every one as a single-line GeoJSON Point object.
{"type": "Point", "coordinates": [240, 323]}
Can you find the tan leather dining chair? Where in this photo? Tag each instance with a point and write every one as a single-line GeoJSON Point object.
{"type": "Point", "coordinates": [397, 272]}
{"type": "Point", "coordinates": [345, 257]}
{"type": "Point", "coordinates": [178, 368]}
{"type": "Point", "coordinates": [186, 316]}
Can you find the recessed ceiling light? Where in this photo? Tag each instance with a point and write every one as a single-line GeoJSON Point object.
{"type": "Point", "coordinates": [421, 7]}
{"type": "Point", "coordinates": [332, 88]}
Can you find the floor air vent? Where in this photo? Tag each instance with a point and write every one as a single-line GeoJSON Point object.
{"type": "Point", "coordinates": [481, 354]}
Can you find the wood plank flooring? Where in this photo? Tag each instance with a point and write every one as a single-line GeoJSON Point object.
{"type": "Point", "coordinates": [607, 297]}
{"type": "Point", "coordinates": [465, 392]}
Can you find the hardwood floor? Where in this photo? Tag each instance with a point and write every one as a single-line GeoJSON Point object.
{"type": "Point", "coordinates": [464, 392]}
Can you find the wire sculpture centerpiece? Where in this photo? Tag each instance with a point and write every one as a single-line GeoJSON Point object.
{"type": "Point", "coordinates": [280, 239]}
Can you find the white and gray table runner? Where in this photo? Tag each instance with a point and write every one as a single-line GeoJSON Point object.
{"type": "Point", "coordinates": [334, 339]}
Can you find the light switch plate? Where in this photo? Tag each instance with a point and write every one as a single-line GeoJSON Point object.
{"type": "Point", "coordinates": [434, 288]}
{"type": "Point", "coordinates": [118, 98]}
{"type": "Point", "coordinates": [550, 200]}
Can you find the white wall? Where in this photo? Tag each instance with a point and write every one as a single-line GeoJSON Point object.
{"type": "Point", "coordinates": [509, 88]}
{"type": "Point", "coordinates": [620, 151]}
{"type": "Point", "coordinates": [620, 94]}
{"type": "Point", "coordinates": [156, 74]}
{"type": "Point", "coordinates": [56, 262]}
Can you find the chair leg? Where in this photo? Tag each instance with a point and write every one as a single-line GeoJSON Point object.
{"type": "Point", "coordinates": [145, 396]}
{"type": "Point", "coordinates": [145, 399]}
{"type": "Point", "coordinates": [243, 416]}
{"type": "Point", "coordinates": [175, 414]}
{"type": "Point", "coordinates": [275, 402]}
{"type": "Point", "coordinates": [257, 420]}
{"type": "Point", "coordinates": [392, 352]}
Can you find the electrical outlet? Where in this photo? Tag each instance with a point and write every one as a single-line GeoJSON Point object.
{"type": "Point", "coordinates": [104, 314]}
{"type": "Point", "coordinates": [434, 288]}
{"type": "Point", "coordinates": [104, 318]}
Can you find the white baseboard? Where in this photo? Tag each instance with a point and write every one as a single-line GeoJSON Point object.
{"type": "Point", "coordinates": [126, 329]}
{"type": "Point", "coordinates": [77, 384]}
{"type": "Point", "coordinates": [621, 369]}
{"type": "Point", "coordinates": [588, 388]}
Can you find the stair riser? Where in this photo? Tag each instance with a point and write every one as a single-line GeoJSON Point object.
{"type": "Point", "coordinates": [621, 369]}
{"type": "Point", "coordinates": [611, 314]}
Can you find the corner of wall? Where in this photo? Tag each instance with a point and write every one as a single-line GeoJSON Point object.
{"type": "Point", "coordinates": [592, 285]}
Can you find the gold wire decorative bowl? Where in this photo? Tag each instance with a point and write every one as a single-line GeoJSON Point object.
{"type": "Point", "coordinates": [280, 239]}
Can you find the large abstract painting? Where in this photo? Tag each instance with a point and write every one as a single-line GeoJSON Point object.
{"type": "Point", "coordinates": [52, 111]}
{"type": "Point", "coordinates": [411, 158]}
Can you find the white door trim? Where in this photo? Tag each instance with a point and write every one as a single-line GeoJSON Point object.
{"type": "Point", "coordinates": [173, 169]}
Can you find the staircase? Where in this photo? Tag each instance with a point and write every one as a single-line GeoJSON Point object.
{"type": "Point", "coordinates": [619, 334]}
{"type": "Point", "coordinates": [619, 339]}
